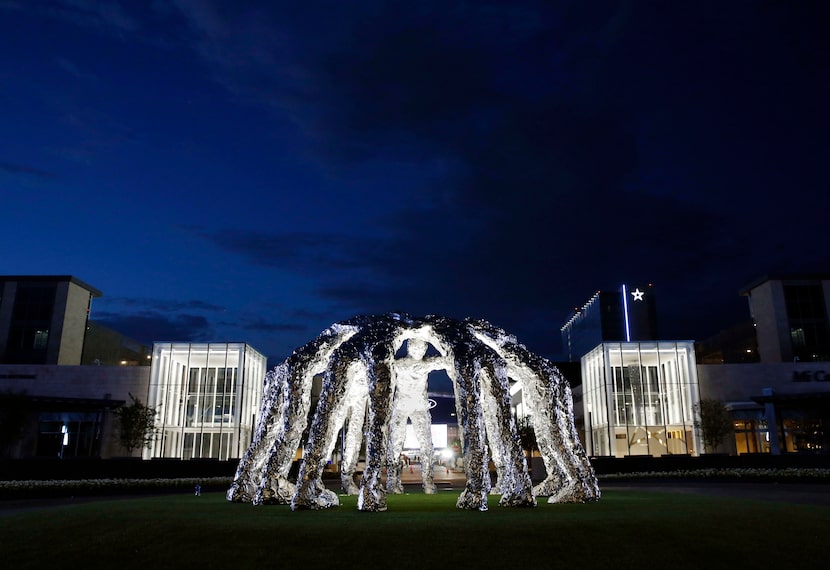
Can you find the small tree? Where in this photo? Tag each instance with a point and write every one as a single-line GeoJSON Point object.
{"type": "Point", "coordinates": [138, 425]}
{"type": "Point", "coordinates": [712, 422]}
{"type": "Point", "coordinates": [527, 436]}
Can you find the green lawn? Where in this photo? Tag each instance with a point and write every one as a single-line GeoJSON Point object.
{"type": "Point", "coordinates": [626, 529]}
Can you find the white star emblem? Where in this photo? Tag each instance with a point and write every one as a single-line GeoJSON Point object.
{"type": "Point", "coordinates": [637, 294]}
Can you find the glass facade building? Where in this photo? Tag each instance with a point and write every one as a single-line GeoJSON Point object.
{"type": "Point", "coordinates": [207, 397]}
{"type": "Point", "coordinates": [639, 398]}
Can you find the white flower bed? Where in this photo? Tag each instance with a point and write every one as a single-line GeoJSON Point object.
{"type": "Point", "coordinates": [8, 488]}
{"type": "Point", "coordinates": [744, 473]}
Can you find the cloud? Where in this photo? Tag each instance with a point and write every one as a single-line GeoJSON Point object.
{"type": "Point", "coordinates": [260, 324]}
{"type": "Point", "coordinates": [148, 320]}
{"type": "Point", "coordinates": [248, 49]}
{"type": "Point", "coordinates": [556, 148]}
{"type": "Point", "coordinates": [149, 327]}
{"type": "Point", "coordinates": [160, 305]}
{"type": "Point", "coordinates": [551, 149]}
{"type": "Point", "coordinates": [295, 249]}
{"type": "Point", "coordinates": [72, 69]}
{"type": "Point", "coordinates": [26, 172]}
{"type": "Point", "coordinates": [112, 17]}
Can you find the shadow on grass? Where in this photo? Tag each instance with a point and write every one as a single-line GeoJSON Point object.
{"type": "Point", "coordinates": [625, 529]}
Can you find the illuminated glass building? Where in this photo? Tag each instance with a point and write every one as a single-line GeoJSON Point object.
{"type": "Point", "coordinates": [208, 396]}
{"type": "Point", "coordinates": [637, 393]}
{"type": "Point", "coordinates": [638, 398]}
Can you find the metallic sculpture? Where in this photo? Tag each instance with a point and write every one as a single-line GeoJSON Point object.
{"type": "Point", "coordinates": [410, 402]}
{"type": "Point", "coordinates": [360, 374]}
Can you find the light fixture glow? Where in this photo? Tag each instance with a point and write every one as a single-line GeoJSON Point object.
{"type": "Point", "coordinates": [625, 311]}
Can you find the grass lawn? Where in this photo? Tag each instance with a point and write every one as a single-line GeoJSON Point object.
{"type": "Point", "coordinates": [626, 529]}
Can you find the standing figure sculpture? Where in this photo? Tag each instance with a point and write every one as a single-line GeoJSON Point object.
{"type": "Point", "coordinates": [410, 402]}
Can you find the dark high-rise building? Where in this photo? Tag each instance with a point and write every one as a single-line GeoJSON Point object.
{"type": "Point", "coordinates": [43, 319]}
{"type": "Point", "coordinates": [791, 317]}
{"type": "Point", "coordinates": [627, 314]}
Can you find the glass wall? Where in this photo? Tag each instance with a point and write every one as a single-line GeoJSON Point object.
{"type": "Point", "coordinates": [207, 396]}
{"type": "Point", "coordinates": [639, 397]}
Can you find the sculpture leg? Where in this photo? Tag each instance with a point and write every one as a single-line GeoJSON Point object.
{"type": "Point", "coordinates": [288, 417]}
{"type": "Point", "coordinates": [310, 492]}
{"type": "Point", "coordinates": [494, 435]}
{"type": "Point", "coordinates": [397, 435]}
{"type": "Point", "coordinates": [331, 410]}
{"type": "Point", "coordinates": [354, 437]}
{"type": "Point", "coordinates": [559, 481]}
{"type": "Point", "coordinates": [274, 486]}
{"type": "Point", "coordinates": [474, 496]}
{"type": "Point", "coordinates": [248, 473]}
{"type": "Point", "coordinates": [514, 482]}
{"type": "Point", "coordinates": [422, 425]}
{"type": "Point", "coordinates": [372, 496]}
{"type": "Point", "coordinates": [249, 470]}
{"type": "Point", "coordinates": [581, 485]}
{"type": "Point", "coordinates": [570, 477]}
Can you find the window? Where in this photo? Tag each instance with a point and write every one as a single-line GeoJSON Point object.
{"type": "Point", "coordinates": [809, 333]}
{"type": "Point", "coordinates": [30, 322]}
{"type": "Point", "coordinates": [803, 433]}
{"type": "Point", "coordinates": [751, 434]}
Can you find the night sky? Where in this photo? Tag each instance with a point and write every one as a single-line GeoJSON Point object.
{"type": "Point", "coordinates": [254, 171]}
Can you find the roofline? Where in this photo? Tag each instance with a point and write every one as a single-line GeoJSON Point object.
{"type": "Point", "coordinates": [744, 291]}
{"type": "Point", "coordinates": [54, 278]}
{"type": "Point", "coordinates": [212, 342]}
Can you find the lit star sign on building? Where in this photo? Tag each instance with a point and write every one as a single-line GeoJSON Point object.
{"type": "Point", "coordinates": [636, 295]}
{"type": "Point", "coordinates": [637, 306]}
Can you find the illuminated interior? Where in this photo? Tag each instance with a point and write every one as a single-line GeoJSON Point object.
{"type": "Point", "coordinates": [439, 438]}
{"type": "Point", "coordinates": [207, 397]}
{"type": "Point", "coordinates": [639, 397]}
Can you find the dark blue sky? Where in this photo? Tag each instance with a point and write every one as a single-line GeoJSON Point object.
{"type": "Point", "coordinates": [258, 170]}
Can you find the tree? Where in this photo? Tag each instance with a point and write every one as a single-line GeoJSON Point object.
{"type": "Point", "coordinates": [712, 422]}
{"type": "Point", "coordinates": [138, 425]}
{"type": "Point", "coordinates": [527, 436]}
